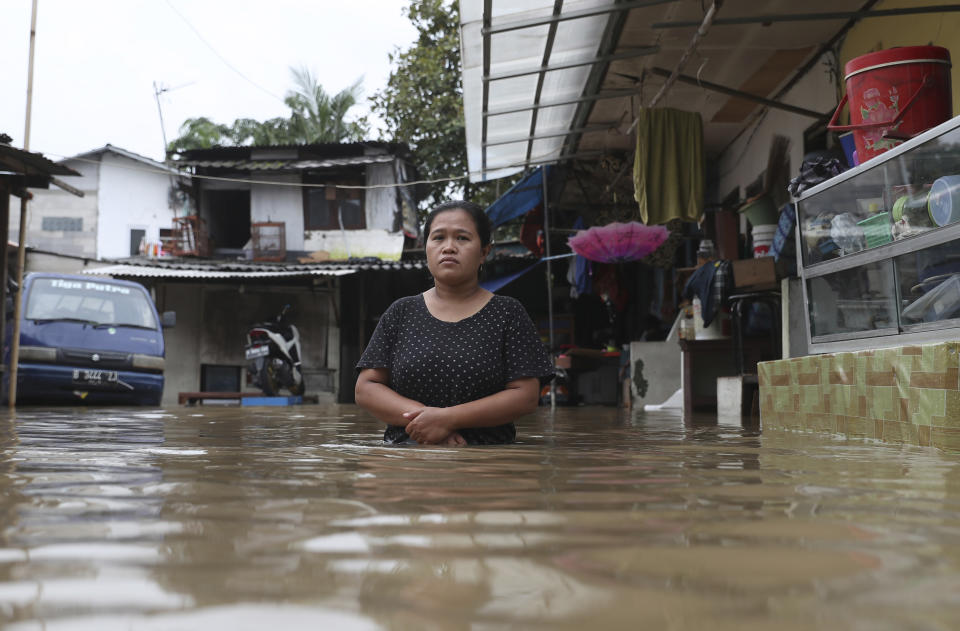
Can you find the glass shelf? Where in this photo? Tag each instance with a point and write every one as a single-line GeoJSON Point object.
{"type": "Point", "coordinates": [909, 194]}
{"type": "Point", "coordinates": [879, 247]}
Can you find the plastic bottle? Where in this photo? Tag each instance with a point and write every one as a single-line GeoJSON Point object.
{"type": "Point", "coordinates": [847, 234]}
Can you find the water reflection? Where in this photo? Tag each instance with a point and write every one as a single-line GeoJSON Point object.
{"type": "Point", "coordinates": [215, 517]}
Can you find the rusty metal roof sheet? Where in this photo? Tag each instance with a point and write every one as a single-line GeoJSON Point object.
{"type": "Point", "coordinates": [27, 163]}
{"type": "Point", "coordinates": [287, 165]}
{"type": "Point", "coordinates": [230, 270]}
{"type": "Point", "coordinates": [143, 271]}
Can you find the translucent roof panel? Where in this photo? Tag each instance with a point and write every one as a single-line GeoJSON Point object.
{"type": "Point", "coordinates": [506, 132]}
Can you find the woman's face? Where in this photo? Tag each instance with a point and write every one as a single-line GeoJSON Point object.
{"type": "Point", "coordinates": [454, 252]}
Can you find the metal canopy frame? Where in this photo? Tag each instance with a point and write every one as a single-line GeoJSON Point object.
{"type": "Point", "coordinates": [583, 130]}
{"type": "Point", "coordinates": [810, 17]}
{"type": "Point", "coordinates": [599, 63]}
{"type": "Point", "coordinates": [547, 49]}
{"type": "Point", "coordinates": [814, 59]}
{"type": "Point", "coordinates": [617, 13]}
{"type": "Point", "coordinates": [633, 54]}
{"type": "Point", "coordinates": [608, 43]}
{"type": "Point", "coordinates": [612, 94]}
{"type": "Point", "coordinates": [722, 89]}
{"type": "Point", "coordinates": [572, 15]}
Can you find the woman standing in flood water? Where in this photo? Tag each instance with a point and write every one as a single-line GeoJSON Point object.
{"type": "Point", "coordinates": [456, 364]}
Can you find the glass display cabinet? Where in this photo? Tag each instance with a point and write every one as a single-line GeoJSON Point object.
{"type": "Point", "coordinates": [879, 248]}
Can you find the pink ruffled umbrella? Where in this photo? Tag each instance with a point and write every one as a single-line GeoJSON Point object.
{"type": "Point", "coordinates": [618, 242]}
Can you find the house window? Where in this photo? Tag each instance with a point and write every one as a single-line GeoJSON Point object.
{"type": "Point", "coordinates": [136, 240]}
{"type": "Point", "coordinates": [65, 224]}
{"type": "Point", "coordinates": [326, 208]}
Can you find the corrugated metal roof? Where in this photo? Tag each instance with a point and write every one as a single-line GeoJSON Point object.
{"type": "Point", "coordinates": [142, 271]}
{"type": "Point", "coordinates": [108, 148]}
{"type": "Point", "coordinates": [28, 163]}
{"type": "Point", "coordinates": [287, 165]}
{"type": "Point", "coordinates": [227, 270]}
{"type": "Point", "coordinates": [319, 150]}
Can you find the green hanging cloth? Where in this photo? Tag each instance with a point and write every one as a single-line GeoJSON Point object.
{"type": "Point", "coordinates": [668, 168]}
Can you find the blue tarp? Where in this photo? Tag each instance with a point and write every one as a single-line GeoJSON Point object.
{"type": "Point", "coordinates": [495, 284]}
{"type": "Point", "coordinates": [522, 197]}
{"type": "Point", "coordinates": [582, 273]}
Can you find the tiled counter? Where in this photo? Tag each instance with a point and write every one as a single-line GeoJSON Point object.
{"type": "Point", "coordinates": [904, 394]}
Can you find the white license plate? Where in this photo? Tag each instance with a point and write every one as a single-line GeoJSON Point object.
{"type": "Point", "coordinates": [257, 351]}
{"type": "Point", "coordinates": [82, 375]}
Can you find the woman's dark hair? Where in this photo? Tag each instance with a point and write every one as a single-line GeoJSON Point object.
{"type": "Point", "coordinates": [480, 219]}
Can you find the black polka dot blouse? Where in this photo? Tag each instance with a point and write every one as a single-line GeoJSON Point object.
{"type": "Point", "coordinates": [441, 364]}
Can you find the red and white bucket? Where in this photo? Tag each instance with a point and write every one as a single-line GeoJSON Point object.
{"type": "Point", "coordinates": [894, 95]}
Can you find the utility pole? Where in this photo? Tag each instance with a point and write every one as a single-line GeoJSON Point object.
{"type": "Point", "coordinates": [157, 91]}
{"type": "Point", "coordinates": [21, 238]}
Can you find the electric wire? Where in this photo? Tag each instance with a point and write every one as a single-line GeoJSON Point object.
{"type": "Point", "coordinates": [221, 57]}
{"type": "Point", "coordinates": [220, 178]}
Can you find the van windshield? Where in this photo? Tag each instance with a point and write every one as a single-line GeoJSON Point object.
{"type": "Point", "coordinates": [89, 301]}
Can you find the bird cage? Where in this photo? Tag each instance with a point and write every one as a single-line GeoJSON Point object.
{"type": "Point", "coordinates": [269, 241]}
{"type": "Point", "coordinates": [189, 237]}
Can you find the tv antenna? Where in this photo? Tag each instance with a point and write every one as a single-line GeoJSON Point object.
{"type": "Point", "coordinates": [158, 89]}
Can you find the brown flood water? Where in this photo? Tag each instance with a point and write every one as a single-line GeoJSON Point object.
{"type": "Point", "coordinates": [269, 518]}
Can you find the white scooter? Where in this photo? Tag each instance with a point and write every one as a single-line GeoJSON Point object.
{"type": "Point", "coordinates": [273, 356]}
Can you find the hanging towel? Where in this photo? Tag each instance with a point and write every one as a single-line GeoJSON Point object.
{"type": "Point", "coordinates": [668, 167]}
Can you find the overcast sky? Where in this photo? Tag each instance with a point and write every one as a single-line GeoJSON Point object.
{"type": "Point", "coordinates": [96, 62]}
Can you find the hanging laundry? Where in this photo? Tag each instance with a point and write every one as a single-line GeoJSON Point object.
{"type": "Point", "coordinates": [668, 168]}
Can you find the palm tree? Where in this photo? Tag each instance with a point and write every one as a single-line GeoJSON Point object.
{"type": "Point", "coordinates": [317, 117]}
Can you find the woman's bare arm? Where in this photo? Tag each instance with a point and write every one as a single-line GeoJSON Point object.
{"type": "Point", "coordinates": [374, 395]}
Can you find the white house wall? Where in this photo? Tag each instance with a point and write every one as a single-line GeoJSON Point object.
{"type": "Point", "coordinates": [59, 204]}
{"type": "Point", "coordinates": [132, 196]}
{"type": "Point", "coordinates": [746, 158]}
{"type": "Point", "coordinates": [269, 202]}
{"type": "Point", "coordinates": [386, 246]}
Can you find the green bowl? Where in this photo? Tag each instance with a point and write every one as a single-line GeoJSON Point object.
{"type": "Point", "coordinates": [760, 210]}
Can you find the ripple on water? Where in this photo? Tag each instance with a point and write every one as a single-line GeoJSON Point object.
{"type": "Point", "coordinates": [239, 518]}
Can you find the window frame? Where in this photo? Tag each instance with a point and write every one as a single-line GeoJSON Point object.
{"type": "Point", "coordinates": [334, 197]}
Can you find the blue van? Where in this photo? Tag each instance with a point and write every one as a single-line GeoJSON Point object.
{"type": "Point", "coordinates": [87, 340]}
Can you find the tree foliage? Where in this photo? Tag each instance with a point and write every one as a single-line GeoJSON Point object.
{"type": "Point", "coordinates": [319, 117]}
{"type": "Point", "coordinates": [422, 104]}
{"type": "Point", "coordinates": [315, 117]}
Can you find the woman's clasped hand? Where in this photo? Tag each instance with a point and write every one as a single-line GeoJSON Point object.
{"type": "Point", "coordinates": [432, 426]}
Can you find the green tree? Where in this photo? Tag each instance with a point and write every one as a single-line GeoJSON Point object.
{"type": "Point", "coordinates": [315, 117]}
{"type": "Point", "coordinates": [319, 117]}
{"type": "Point", "coordinates": [199, 133]}
{"type": "Point", "coordinates": [422, 104]}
